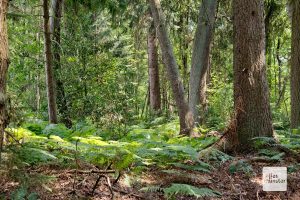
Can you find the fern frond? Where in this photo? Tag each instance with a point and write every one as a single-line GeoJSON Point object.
{"type": "Point", "coordinates": [184, 189]}
{"type": "Point", "coordinates": [199, 167]}
{"type": "Point", "coordinates": [152, 189]}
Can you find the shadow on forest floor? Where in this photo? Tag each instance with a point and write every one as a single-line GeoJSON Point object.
{"type": "Point", "coordinates": [53, 162]}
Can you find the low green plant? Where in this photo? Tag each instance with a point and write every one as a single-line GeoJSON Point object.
{"type": "Point", "coordinates": [241, 166]}
{"type": "Point", "coordinates": [183, 189]}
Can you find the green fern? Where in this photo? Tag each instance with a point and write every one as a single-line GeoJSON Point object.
{"type": "Point", "coordinates": [241, 166]}
{"type": "Point", "coordinates": [152, 189]}
{"type": "Point", "coordinates": [199, 167]}
{"type": "Point", "coordinates": [260, 142]}
{"type": "Point", "coordinates": [32, 156]}
{"type": "Point", "coordinates": [214, 155]}
{"type": "Point", "coordinates": [278, 157]}
{"type": "Point", "coordinates": [184, 189]}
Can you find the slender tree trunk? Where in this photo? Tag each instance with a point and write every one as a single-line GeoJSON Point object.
{"type": "Point", "coordinates": [202, 96]}
{"type": "Point", "coordinates": [56, 37]}
{"type": "Point", "coordinates": [38, 93]}
{"type": "Point", "coordinates": [251, 92]}
{"type": "Point", "coordinates": [4, 63]}
{"type": "Point", "coordinates": [279, 67]}
{"type": "Point", "coordinates": [295, 69]}
{"type": "Point", "coordinates": [184, 45]}
{"type": "Point", "coordinates": [185, 116]}
{"type": "Point", "coordinates": [50, 84]}
{"type": "Point", "coordinates": [155, 99]}
{"type": "Point", "coordinates": [201, 51]}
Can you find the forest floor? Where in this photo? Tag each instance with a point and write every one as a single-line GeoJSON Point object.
{"type": "Point", "coordinates": [142, 169]}
{"type": "Point", "coordinates": [71, 185]}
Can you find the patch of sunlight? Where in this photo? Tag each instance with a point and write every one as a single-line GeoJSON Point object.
{"type": "Point", "coordinates": [35, 138]}
{"type": "Point", "coordinates": [20, 133]}
{"type": "Point", "coordinates": [91, 140]}
{"type": "Point", "coordinates": [156, 149]}
{"type": "Point", "coordinates": [257, 180]}
{"type": "Point", "coordinates": [57, 138]}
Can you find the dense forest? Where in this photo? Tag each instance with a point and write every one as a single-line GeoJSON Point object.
{"type": "Point", "coordinates": [149, 99]}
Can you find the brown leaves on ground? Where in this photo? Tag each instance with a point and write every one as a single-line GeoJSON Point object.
{"type": "Point", "coordinates": [71, 185]}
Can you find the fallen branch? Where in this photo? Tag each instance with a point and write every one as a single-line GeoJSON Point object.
{"type": "Point", "coordinates": [92, 171]}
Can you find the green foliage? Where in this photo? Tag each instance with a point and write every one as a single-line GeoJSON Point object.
{"type": "Point", "coordinates": [152, 189]}
{"type": "Point", "coordinates": [182, 189]}
{"type": "Point", "coordinates": [261, 142]}
{"type": "Point", "coordinates": [189, 190]}
{"type": "Point", "coordinates": [202, 167]}
{"type": "Point", "coordinates": [293, 168]}
{"type": "Point", "coordinates": [22, 193]}
{"type": "Point", "coordinates": [140, 147]}
{"type": "Point", "coordinates": [278, 157]}
{"type": "Point", "coordinates": [31, 156]}
{"type": "Point", "coordinates": [36, 128]}
{"type": "Point", "coordinates": [57, 129]}
{"type": "Point", "coordinates": [268, 152]}
{"type": "Point", "coordinates": [241, 166]}
{"type": "Point", "coordinates": [214, 155]}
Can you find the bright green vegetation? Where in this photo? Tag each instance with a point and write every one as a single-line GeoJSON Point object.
{"type": "Point", "coordinates": [142, 148]}
{"type": "Point", "coordinates": [101, 94]}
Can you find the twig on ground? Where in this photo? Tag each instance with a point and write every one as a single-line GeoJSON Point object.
{"type": "Point", "coordinates": [108, 183]}
{"type": "Point", "coordinates": [91, 171]}
{"type": "Point", "coordinates": [117, 179]}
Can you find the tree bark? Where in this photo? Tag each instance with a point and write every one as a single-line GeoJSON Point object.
{"type": "Point", "coordinates": [155, 99]}
{"type": "Point", "coordinates": [4, 63]}
{"type": "Point", "coordinates": [185, 116]}
{"type": "Point", "coordinates": [50, 84]}
{"type": "Point", "coordinates": [201, 51]}
{"type": "Point", "coordinates": [62, 104]}
{"type": "Point", "coordinates": [251, 92]}
{"type": "Point", "coordinates": [203, 107]}
{"type": "Point", "coordinates": [295, 68]}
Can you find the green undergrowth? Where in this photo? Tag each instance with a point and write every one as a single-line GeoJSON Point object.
{"type": "Point", "coordinates": [141, 148]}
{"type": "Point", "coordinates": [182, 189]}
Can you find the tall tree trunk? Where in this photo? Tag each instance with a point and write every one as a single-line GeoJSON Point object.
{"type": "Point", "coordinates": [184, 45]}
{"type": "Point", "coordinates": [295, 69]}
{"type": "Point", "coordinates": [155, 99]}
{"type": "Point", "coordinates": [251, 92]}
{"type": "Point", "coordinates": [48, 65]}
{"type": "Point", "coordinates": [202, 96]}
{"type": "Point", "coordinates": [56, 37]}
{"type": "Point", "coordinates": [201, 51]}
{"type": "Point", "coordinates": [4, 62]}
{"type": "Point", "coordinates": [185, 116]}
